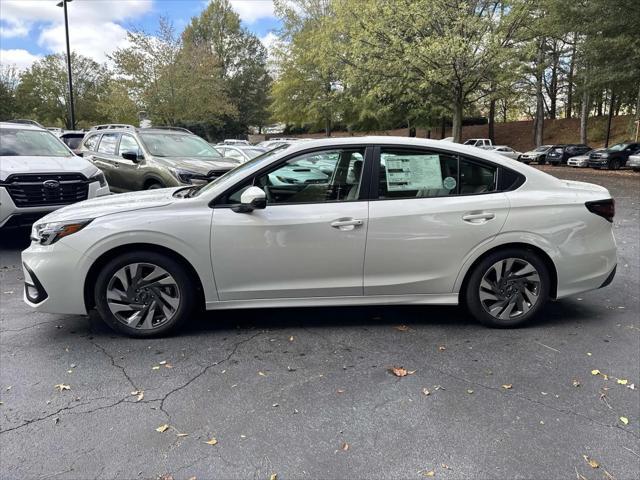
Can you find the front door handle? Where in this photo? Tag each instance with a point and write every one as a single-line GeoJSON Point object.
{"type": "Point", "coordinates": [346, 223]}
{"type": "Point", "coordinates": [479, 217]}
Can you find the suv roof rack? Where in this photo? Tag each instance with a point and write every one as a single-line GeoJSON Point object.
{"type": "Point", "coordinates": [24, 121]}
{"type": "Point", "coordinates": [109, 126]}
{"type": "Point", "coordinates": [179, 129]}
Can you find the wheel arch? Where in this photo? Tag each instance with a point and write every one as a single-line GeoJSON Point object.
{"type": "Point", "coordinates": [150, 179]}
{"type": "Point", "coordinates": [104, 258]}
{"type": "Point", "coordinates": [544, 256]}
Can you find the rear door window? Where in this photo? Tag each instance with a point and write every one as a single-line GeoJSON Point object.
{"type": "Point", "coordinates": [92, 142]}
{"type": "Point", "coordinates": [108, 143]}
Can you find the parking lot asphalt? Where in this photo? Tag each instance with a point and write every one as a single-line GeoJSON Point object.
{"type": "Point", "coordinates": [307, 393]}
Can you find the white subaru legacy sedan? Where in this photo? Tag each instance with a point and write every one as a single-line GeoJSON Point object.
{"type": "Point", "coordinates": [396, 221]}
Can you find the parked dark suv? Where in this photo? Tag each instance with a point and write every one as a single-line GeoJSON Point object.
{"type": "Point", "coordinates": [559, 154]}
{"type": "Point", "coordinates": [146, 158]}
{"type": "Point", "coordinates": [613, 157]}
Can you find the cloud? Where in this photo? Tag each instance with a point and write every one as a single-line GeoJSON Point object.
{"type": "Point", "coordinates": [269, 40]}
{"type": "Point", "coordinates": [93, 28]}
{"type": "Point", "coordinates": [20, 58]}
{"type": "Point", "coordinates": [252, 10]}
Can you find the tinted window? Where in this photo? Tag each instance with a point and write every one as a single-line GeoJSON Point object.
{"type": "Point", "coordinates": [424, 174]}
{"type": "Point", "coordinates": [108, 143]}
{"type": "Point", "coordinates": [72, 141]}
{"type": "Point", "coordinates": [128, 144]}
{"type": "Point", "coordinates": [177, 145]}
{"type": "Point", "coordinates": [297, 181]}
{"type": "Point", "coordinates": [91, 142]}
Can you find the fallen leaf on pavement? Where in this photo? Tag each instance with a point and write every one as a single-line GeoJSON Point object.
{"type": "Point", "coordinates": [624, 420]}
{"type": "Point", "coordinates": [139, 394]}
{"type": "Point", "coordinates": [168, 365]}
{"type": "Point", "coordinates": [430, 473]}
{"type": "Point", "coordinates": [62, 386]}
{"type": "Point", "coordinates": [442, 348]}
{"type": "Point", "coordinates": [213, 441]}
{"type": "Point", "coordinates": [507, 386]}
{"type": "Point", "coordinates": [291, 340]}
{"type": "Point", "coordinates": [273, 476]}
{"type": "Point", "coordinates": [340, 390]}
{"type": "Point", "coordinates": [622, 381]}
{"type": "Point", "coordinates": [632, 386]}
{"type": "Point", "coordinates": [399, 371]}
{"type": "Point", "coordinates": [469, 391]}
{"type": "Point", "coordinates": [402, 328]}
{"type": "Point", "coordinates": [426, 392]}
{"type": "Point", "coordinates": [182, 434]}
{"type": "Point", "coordinates": [155, 367]}
{"type": "Point", "coordinates": [344, 446]}
{"type": "Point", "coordinates": [262, 374]}
{"type": "Point", "coordinates": [445, 466]}
{"type": "Point", "coordinates": [163, 362]}
{"type": "Point", "coordinates": [592, 463]}
{"type": "Point", "coordinates": [162, 428]}
{"type": "Point", "coordinates": [576, 382]}
{"type": "Point", "coordinates": [595, 372]}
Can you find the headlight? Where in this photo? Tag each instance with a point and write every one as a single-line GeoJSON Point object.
{"type": "Point", "coordinates": [48, 233]}
{"type": "Point", "coordinates": [99, 177]}
{"type": "Point", "coordinates": [604, 155]}
{"type": "Point", "coordinates": [185, 176]}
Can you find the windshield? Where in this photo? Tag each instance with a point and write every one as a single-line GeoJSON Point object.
{"type": "Point", "coordinates": [177, 145]}
{"type": "Point", "coordinates": [542, 148]}
{"type": "Point", "coordinates": [241, 169]}
{"type": "Point", "coordinates": [618, 147]}
{"type": "Point", "coordinates": [36, 143]}
{"type": "Point", "coordinates": [253, 152]}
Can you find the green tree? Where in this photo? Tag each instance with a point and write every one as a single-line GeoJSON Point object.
{"type": "Point", "coordinates": [9, 80]}
{"type": "Point", "coordinates": [240, 57]}
{"type": "Point", "coordinates": [44, 96]}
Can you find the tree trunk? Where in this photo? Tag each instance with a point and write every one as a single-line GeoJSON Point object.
{"type": "Point", "coordinates": [637, 113]}
{"type": "Point", "coordinates": [456, 129]}
{"type": "Point", "coordinates": [327, 127]}
{"type": "Point", "coordinates": [584, 114]}
{"type": "Point", "coordinates": [443, 127]}
{"type": "Point", "coordinates": [492, 120]}
{"type": "Point", "coordinates": [572, 65]}
{"type": "Point", "coordinates": [612, 102]}
{"type": "Point", "coordinates": [599, 105]}
{"type": "Point", "coordinates": [538, 132]}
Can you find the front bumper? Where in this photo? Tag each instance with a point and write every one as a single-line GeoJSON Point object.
{"type": "Point", "coordinates": [599, 163]}
{"type": "Point", "coordinates": [633, 162]}
{"type": "Point", "coordinates": [58, 271]}
{"type": "Point", "coordinates": [13, 216]}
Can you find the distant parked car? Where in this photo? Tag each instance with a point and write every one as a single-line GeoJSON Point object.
{"type": "Point", "coordinates": [72, 139]}
{"type": "Point", "coordinates": [149, 158]}
{"type": "Point", "coordinates": [538, 155]}
{"type": "Point", "coordinates": [506, 151]}
{"type": "Point", "coordinates": [634, 162]}
{"type": "Point", "coordinates": [233, 141]}
{"type": "Point", "coordinates": [485, 143]}
{"type": "Point", "coordinates": [559, 154]}
{"type": "Point", "coordinates": [241, 153]}
{"type": "Point", "coordinates": [581, 161]}
{"type": "Point", "coordinates": [614, 157]}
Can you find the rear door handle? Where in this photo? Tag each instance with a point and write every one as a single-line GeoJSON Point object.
{"type": "Point", "coordinates": [480, 217]}
{"type": "Point", "coordinates": [346, 223]}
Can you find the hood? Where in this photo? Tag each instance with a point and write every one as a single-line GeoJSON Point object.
{"type": "Point", "coordinates": [27, 164]}
{"type": "Point", "coordinates": [98, 207]}
{"type": "Point", "coordinates": [198, 164]}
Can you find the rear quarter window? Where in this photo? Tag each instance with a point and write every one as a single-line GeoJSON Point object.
{"type": "Point", "coordinates": [91, 142]}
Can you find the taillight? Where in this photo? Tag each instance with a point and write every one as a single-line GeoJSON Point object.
{"type": "Point", "coordinates": [604, 208]}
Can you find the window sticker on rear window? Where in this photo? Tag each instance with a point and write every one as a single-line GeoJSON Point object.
{"type": "Point", "coordinates": [412, 172]}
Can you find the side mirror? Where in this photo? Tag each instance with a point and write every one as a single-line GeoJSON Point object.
{"type": "Point", "coordinates": [133, 156]}
{"type": "Point", "coordinates": [253, 198]}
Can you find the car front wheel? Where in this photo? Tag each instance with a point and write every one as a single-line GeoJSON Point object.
{"type": "Point", "coordinates": [507, 288]}
{"type": "Point", "coordinates": [144, 294]}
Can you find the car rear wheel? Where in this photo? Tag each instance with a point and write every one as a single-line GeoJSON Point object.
{"type": "Point", "coordinates": [144, 294]}
{"type": "Point", "coordinates": [154, 186]}
{"type": "Point", "coordinates": [507, 288]}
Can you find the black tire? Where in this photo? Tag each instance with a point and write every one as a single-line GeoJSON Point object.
{"type": "Point", "coordinates": [154, 186]}
{"type": "Point", "coordinates": [541, 161]}
{"type": "Point", "coordinates": [614, 164]}
{"type": "Point", "coordinates": [471, 294]}
{"type": "Point", "coordinates": [185, 287]}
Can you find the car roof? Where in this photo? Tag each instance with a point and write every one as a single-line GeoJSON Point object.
{"type": "Point", "coordinates": [21, 126]}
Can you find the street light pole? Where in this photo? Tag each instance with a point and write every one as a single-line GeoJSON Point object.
{"type": "Point", "coordinates": [63, 4]}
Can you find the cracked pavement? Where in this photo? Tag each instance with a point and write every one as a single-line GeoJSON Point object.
{"type": "Point", "coordinates": [283, 390]}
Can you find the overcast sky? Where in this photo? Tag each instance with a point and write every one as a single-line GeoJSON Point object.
{"type": "Point", "coordinates": [30, 29]}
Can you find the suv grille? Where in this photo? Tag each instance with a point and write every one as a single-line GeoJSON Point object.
{"type": "Point", "coordinates": [34, 190]}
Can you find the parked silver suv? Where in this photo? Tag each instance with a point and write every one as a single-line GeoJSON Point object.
{"type": "Point", "coordinates": [146, 158]}
{"type": "Point", "coordinates": [38, 174]}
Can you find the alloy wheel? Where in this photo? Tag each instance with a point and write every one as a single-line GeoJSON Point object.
{"type": "Point", "coordinates": [509, 288]}
{"type": "Point", "coordinates": [143, 296]}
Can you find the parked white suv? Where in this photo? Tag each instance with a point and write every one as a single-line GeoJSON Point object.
{"type": "Point", "coordinates": [38, 174]}
{"type": "Point", "coordinates": [485, 143]}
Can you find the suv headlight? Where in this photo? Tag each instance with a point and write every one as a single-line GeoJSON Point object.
{"type": "Point", "coordinates": [99, 177]}
{"type": "Point", "coordinates": [48, 233]}
{"type": "Point", "coordinates": [185, 176]}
